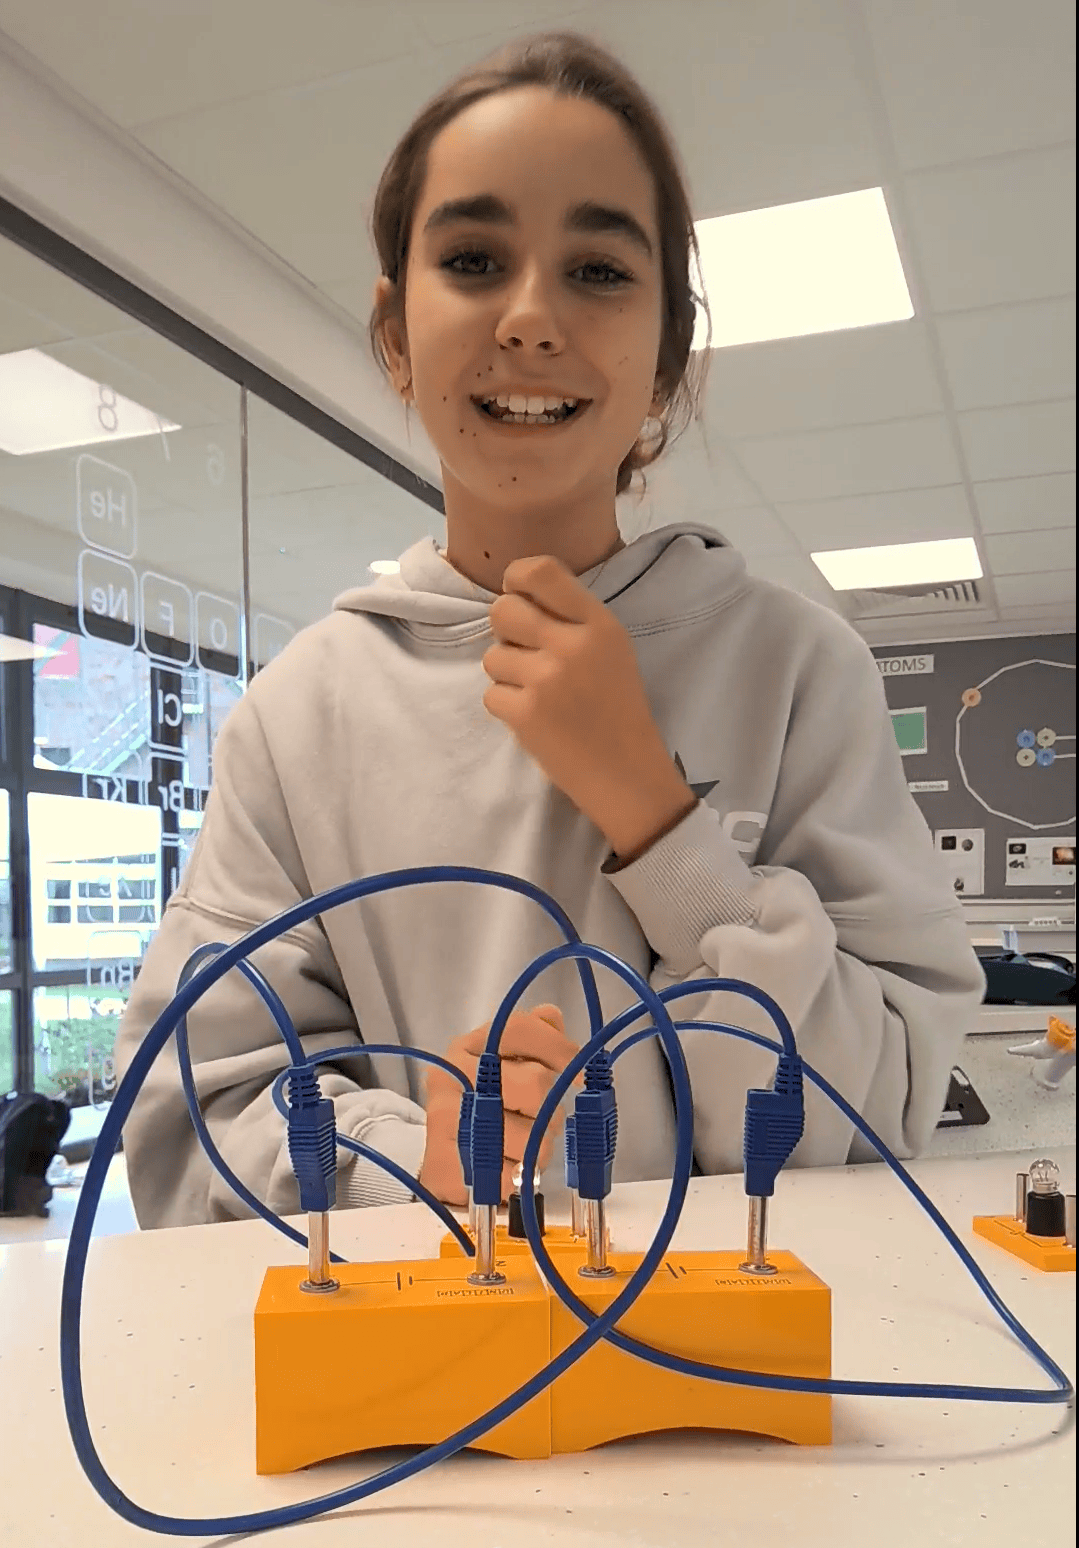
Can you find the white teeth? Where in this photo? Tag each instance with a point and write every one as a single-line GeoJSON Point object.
{"type": "Point", "coordinates": [517, 404]}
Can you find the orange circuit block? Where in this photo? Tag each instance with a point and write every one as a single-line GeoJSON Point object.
{"type": "Point", "coordinates": [1049, 1253]}
{"type": "Point", "coordinates": [408, 1354]}
{"type": "Point", "coordinates": [700, 1305]}
{"type": "Point", "coordinates": [404, 1354]}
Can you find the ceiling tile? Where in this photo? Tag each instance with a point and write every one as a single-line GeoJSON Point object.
{"type": "Point", "coordinates": [1013, 504]}
{"type": "Point", "coordinates": [1027, 553]}
{"type": "Point", "coordinates": [1018, 442]}
{"type": "Point", "coordinates": [758, 531]}
{"type": "Point", "coordinates": [689, 482]}
{"type": "Point", "coordinates": [472, 21]}
{"type": "Point", "coordinates": [1050, 586]}
{"type": "Point", "coordinates": [859, 376]}
{"type": "Point", "coordinates": [299, 168]}
{"type": "Point", "coordinates": [137, 62]}
{"type": "Point", "coordinates": [1010, 354]}
{"type": "Point", "coordinates": [909, 516]}
{"type": "Point", "coordinates": [763, 96]}
{"type": "Point", "coordinates": [906, 453]}
{"type": "Point", "coordinates": [999, 231]}
{"type": "Point", "coordinates": [1052, 616]}
{"type": "Point", "coordinates": [960, 85]}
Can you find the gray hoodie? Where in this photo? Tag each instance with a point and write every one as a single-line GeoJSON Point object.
{"type": "Point", "coordinates": [806, 868]}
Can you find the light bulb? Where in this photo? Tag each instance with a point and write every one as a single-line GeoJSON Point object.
{"type": "Point", "coordinates": [519, 1177]}
{"type": "Point", "coordinates": [1044, 1176]}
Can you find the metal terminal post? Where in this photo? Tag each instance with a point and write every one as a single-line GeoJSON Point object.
{"type": "Point", "coordinates": [596, 1237]}
{"type": "Point", "coordinates": [319, 1280]}
{"type": "Point", "coordinates": [576, 1205]}
{"type": "Point", "coordinates": [1022, 1183]}
{"type": "Point", "coordinates": [471, 1215]}
{"type": "Point", "coordinates": [485, 1272]}
{"type": "Point", "coordinates": [756, 1262]}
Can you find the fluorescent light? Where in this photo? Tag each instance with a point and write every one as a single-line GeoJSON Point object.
{"type": "Point", "coordinates": [45, 406]}
{"type": "Point", "coordinates": [796, 269]}
{"type": "Point", "coordinates": [900, 564]}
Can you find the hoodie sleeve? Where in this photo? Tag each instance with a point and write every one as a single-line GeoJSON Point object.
{"type": "Point", "coordinates": [245, 869]}
{"type": "Point", "coordinates": [849, 925]}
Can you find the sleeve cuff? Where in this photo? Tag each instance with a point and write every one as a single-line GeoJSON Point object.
{"type": "Point", "coordinates": [690, 881]}
{"type": "Point", "coordinates": [362, 1184]}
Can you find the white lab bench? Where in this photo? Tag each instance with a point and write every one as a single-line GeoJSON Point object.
{"type": "Point", "coordinates": [168, 1363]}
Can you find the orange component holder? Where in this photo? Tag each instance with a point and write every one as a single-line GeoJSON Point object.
{"type": "Point", "coordinates": [406, 1354]}
{"type": "Point", "coordinates": [1049, 1253]}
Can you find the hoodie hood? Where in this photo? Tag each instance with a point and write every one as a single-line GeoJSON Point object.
{"type": "Point", "coordinates": [688, 562]}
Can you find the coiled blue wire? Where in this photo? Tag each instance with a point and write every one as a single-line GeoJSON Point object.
{"type": "Point", "coordinates": [1062, 1391]}
{"type": "Point", "coordinates": [358, 1148]}
{"type": "Point", "coordinates": [154, 1041]}
{"type": "Point", "coordinates": [295, 1047]}
{"type": "Point", "coordinates": [191, 989]}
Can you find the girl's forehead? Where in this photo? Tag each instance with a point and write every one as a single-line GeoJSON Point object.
{"type": "Point", "coordinates": [529, 153]}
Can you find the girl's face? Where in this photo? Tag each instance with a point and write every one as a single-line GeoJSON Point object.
{"type": "Point", "coordinates": [550, 286]}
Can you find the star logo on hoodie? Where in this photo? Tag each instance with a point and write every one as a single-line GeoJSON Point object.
{"type": "Point", "coordinates": [702, 790]}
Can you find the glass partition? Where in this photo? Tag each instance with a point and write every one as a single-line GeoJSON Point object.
{"type": "Point", "coordinates": [318, 519]}
{"type": "Point", "coordinates": [121, 552]}
{"type": "Point", "coordinates": [130, 630]}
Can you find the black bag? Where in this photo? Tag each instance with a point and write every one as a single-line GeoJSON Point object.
{"type": "Point", "coordinates": [1036, 978]}
{"type": "Point", "coordinates": [31, 1128]}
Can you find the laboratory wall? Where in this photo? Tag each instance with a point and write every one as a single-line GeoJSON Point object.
{"type": "Point", "coordinates": [987, 732]}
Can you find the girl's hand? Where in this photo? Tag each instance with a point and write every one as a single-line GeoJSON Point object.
{"type": "Point", "coordinates": [534, 1049]}
{"type": "Point", "coordinates": [565, 680]}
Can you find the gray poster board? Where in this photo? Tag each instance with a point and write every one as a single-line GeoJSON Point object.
{"type": "Point", "coordinates": [987, 733]}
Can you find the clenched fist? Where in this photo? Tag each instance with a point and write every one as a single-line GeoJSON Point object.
{"type": "Point", "coordinates": [534, 1049]}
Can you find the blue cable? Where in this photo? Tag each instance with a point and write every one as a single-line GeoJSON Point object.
{"type": "Point", "coordinates": [1062, 1393]}
{"type": "Point", "coordinates": [189, 975]}
{"type": "Point", "coordinates": [324, 1055]}
{"type": "Point", "coordinates": [599, 1327]}
{"type": "Point", "coordinates": [288, 1031]}
{"type": "Point", "coordinates": [75, 1263]}
{"type": "Point", "coordinates": [677, 992]}
{"type": "Point", "coordinates": [413, 1184]}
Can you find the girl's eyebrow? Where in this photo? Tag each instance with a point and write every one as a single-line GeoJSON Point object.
{"type": "Point", "coordinates": [488, 209]}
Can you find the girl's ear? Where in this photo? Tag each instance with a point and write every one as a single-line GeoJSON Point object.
{"type": "Point", "coordinates": [391, 333]}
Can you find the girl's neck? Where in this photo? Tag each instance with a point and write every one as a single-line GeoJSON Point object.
{"type": "Point", "coordinates": [486, 566]}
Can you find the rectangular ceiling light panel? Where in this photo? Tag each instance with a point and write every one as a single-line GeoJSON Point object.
{"type": "Point", "coordinates": [819, 266]}
{"type": "Point", "coordinates": [900, 564]}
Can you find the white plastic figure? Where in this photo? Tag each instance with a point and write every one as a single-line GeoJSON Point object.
{"type": "Point", "coordinates": [1053, 1054]}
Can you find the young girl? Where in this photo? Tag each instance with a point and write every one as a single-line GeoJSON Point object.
{"type": "Point", "coordinates": [698, 766]}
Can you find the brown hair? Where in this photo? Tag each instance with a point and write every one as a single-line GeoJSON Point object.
{"type": "Point", "coordinates": [568, 64]}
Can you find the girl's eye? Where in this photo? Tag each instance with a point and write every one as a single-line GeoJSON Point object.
{"type": "Point", "coordinates": [617, 276]}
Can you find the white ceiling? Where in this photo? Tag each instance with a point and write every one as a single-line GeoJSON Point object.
{"type": "Point", "coordinates": [959, 422]}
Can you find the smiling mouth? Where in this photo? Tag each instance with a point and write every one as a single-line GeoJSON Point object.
{"type": "Point", "coordinates": [528, 422]}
